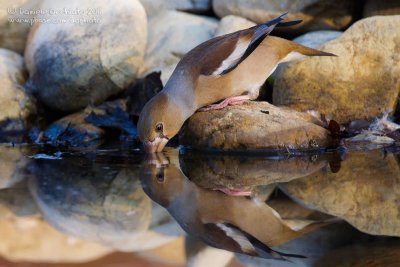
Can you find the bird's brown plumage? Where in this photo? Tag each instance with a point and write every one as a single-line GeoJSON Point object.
{"type": "Point", "coordinates": [230, 65]}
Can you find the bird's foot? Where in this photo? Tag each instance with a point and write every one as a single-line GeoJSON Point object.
{"type": "Point", "coordinates": [234, 192]}
{"type": "Point", "coordinates": [230, 101]}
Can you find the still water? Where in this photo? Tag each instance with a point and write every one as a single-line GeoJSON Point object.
{"type": "Point", "coordinates": [116, 207]}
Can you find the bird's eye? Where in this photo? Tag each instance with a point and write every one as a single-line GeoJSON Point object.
{"type": "Point", "coordinates": [159, 127]}
{"type": "Point", "coordinates": [160, 177]}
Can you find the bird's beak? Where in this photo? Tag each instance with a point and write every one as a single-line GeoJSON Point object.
{"type": "Point", "coordinates": [156, 145]}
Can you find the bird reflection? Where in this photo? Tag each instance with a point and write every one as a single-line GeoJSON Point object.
{"type": "Point", "coordinates": [237, 224]}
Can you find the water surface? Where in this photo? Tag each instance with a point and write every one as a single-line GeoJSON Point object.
{"type": "Point", "coordinates": [337, 208]}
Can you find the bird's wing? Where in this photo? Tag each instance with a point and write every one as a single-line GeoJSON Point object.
{"type": "Point", "coordinates": [237, 47]}
{"type": "Point", "coordinates": [251, 245]}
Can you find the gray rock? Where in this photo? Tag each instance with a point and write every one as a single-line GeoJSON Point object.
{"type": "Point", "coordinates": [317, 38]}
{"type": "Point", "coordinates": [232, 23]}
{"type": "Point", "coordinates": [17, 107]}
{"type": "Point", "coordinates": [316, 14]}
{"type": "Point", "coordinates": [12, 164]}
{"type": "Point", "coordinates": [153, 7]}
{"type": "Point", "coordinates": [15, 23]}
{"type": "Point", "coordinates": [171, 35]}
{"type": "Point", "coordinates": [74, 64]}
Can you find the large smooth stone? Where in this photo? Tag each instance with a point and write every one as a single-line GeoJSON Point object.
{"type": "Point", "coordinates": [13, 161]}
{"type": "Point", "coordinates": [361, 83]}
{"type": "Point", "coordinates": [153, 7]}
{"type": "Point", "coordinates": [32, 239]}
{"type": "Point", "coordinates": [99, 201]}
{"type": "Point", "coordinates": [316, 14]}
{"type": "Point", "coordinates": [252, 126]}
{"type": "Point", "coordinates": [74, 64]}
{"type": "Point", "coordinates": [171, 35]}
{"type": "Point", "coordinates": [15, 23]}
{"type": "Point", "coordinates": [231, 24]}
{"type": "Point", "coordinates": [364, 192]}
{"type": "Point", "coordinates": [17, 107]}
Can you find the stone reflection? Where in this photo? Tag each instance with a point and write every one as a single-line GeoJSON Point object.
{"type": "Point", "coordinates": [12, 165]}
{"type": "Point", "coordinates": [365, 192]}
{"type": "Point", "coordinates": [236, 224]}
{"type": "Point", "coordinates": [243, 174]}
{"type": "Point", "coordinates": [100, 200]}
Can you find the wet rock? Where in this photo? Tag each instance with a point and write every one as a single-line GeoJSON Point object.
{"type": "Point", "coordinates": [316, 14]}
{"type": "Point", "coordinates": [13, 161]}
{"type": "Point", "coordinates": [231, 24]}
{"type": "Point", "coordinates": [364, 192]}
{"type": "Point", "coordinates": [218, 172]}
{"type": "Point", "coordinates": [252, 126]}
{"type": "Point", "coordinates": [75, 64]}
{"type": "Point", "coordinates": [97, 200]}
{"type": "Point", "coordinates": [171, 35]}
{"type": "Point", "coordinates": [140, 92]}
{"type": "Point", "coordinates": [15, 23]}
{"type": "Point", "coordinates": [17, 107]}
{"type": "Point", "coordinates": [350, 86]}
{"type": "Point", "coordinates": [379, 8]}
{"type": "Point", "coordinates": [31, 239]}
{"type": "Point", "coordinates": [16, 202]}
{"type": "Point", "coordinates": [90, 126]}
{"type": "Point", "coordinates": [153, 7]}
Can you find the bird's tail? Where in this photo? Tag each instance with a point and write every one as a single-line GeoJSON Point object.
{"type": "Point", "coordinates": [307, 51]}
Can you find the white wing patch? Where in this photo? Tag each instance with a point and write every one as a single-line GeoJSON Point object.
{"type": "Point", "coordinates": [233, 58]}
{"type": "Point", "coordinates": [243, 242]}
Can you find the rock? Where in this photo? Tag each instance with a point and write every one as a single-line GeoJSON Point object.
{"type": "Point", "coordinates": [231, 24]}
{"type": "Point", "coordinates": [379, 8]}
{"type": "Point", "coordinates": [316, 14]}
{"type": "Point", "coordinates": [350, 86]}
{"type": "Point", "coordinates": [240, 172]}
{"type": "Point", "coordinates": [98, 201]}
{"type": "Point", "coordinates": [171, 35]}
{"type": "Point", "coordinates": [15, 22]}
{"type": "Point", "coordinates": [16, 202]}
{"type": "Point", "coordinates": [12, 164]}
{"type": "Point", "coordinates": [252, 126]}
{"type": "Point", "coordinates": [84, 61]}
{"type": "Point", "coordinates": [153, 7]}
{"type": "Point", "coordinates": [17, 108]}
{"type": "Point", "coordinates": [364, 192]}
{"type": "Point", "coordinates": [310, 39]}
{"type": "Point", "coordinates": [31, 239]}
{"type": "Point", "coordinates": [88, 127]}
{"type": "Point", "coordinates": [317, 38]}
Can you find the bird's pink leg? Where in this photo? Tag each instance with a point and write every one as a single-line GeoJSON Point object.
{"type": "Point", "coordinates": [235, 192]}
{"type": "Point", "coordinates": [230, 101]}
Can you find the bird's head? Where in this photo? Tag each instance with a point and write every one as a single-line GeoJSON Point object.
{"type": "Point", "coordinates": [159, 121]}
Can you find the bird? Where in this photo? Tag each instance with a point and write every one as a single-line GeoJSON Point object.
{"type": "Point", "coordinates": [230, 68]}
{"type": "Point", "coordinates": [236, 224]}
